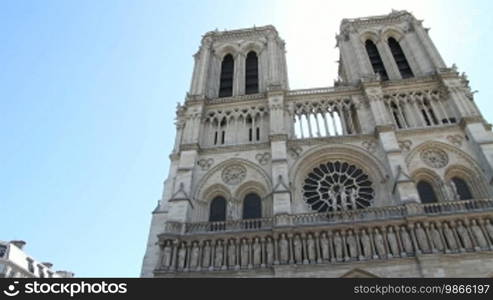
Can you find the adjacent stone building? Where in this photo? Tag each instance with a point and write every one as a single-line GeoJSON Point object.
{"type": "Point", "coordinates": [388, 173]}
{"type": "Point", "coordinates": [16, 263]}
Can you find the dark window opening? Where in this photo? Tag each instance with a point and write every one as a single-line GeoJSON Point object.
{"type": "Point", "coordinates": [218, 210]}
{"type": "Point", "coordinates": [252, 209]}
{"type": "Point", "coordinates": [223, 136]}
{"type": "Point", "coordinates": [462, 188]}
{"type": "Point", "coordinates": [376, 60]}
{"type": "Point", "coordinates": [251, 73]}
{"type": "Point", "coordinates": [400, 58]}
{"type": "Point", "coordinates": [427, 195]}
{"type": "Point", "coordinates": [226, 83]}
{"type": "Point", "coordinates": [41, 272]}
{"type": "Point", "coordinates": [258, 134]}
{"type": "Point", "coordinates": [395, 112]}
{"type": "Point", "coordinates": [426, 192]}
{"type": "Point", "coordinates": [215, 138]}
{"type": "Point", "coordinates": [30, 265]}
{"type": "Point", "coordinates": [428, 113]}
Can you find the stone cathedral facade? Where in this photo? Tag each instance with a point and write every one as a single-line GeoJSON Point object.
{"type": "Point", "coordinates": [388, 173]}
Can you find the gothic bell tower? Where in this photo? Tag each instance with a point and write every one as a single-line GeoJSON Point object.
{"type": "Point", "coordinates": [239, 62]}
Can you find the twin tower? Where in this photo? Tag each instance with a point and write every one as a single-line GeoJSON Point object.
{"type": "Point", "coordinates": [387, 173]}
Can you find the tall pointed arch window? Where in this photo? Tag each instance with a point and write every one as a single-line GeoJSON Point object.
{"type": "Point", "coordinates": [252, 209]}
{"type": "Point", "coordinates": [426, 192]}
{"type": "Point", "coordinates": [217, 209]}
{"type": "Point", "coordinates": [251, 73]}
{"type": "Point", "coordinates": [376, 60]}
{"type": "Point", "coordinates": [226, 81]}
{"type": "Point", "coordinates": [462, 188]}
{"type": "Point", "coordinates": [400, 58]}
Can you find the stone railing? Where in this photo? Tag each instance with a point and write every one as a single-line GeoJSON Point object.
{"type": "Point", "coordinates": [369, 234]}
{"type": "Point", "coordinates": [455, 207]}
{"type": "Point", "coordinates": [322, 90]}
{"type": "Point", "coordinates": [227, 226]}
{"type": "Point", "coordinates": [350, 216]}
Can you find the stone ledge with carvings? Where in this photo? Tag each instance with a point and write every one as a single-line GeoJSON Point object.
{"type": "Point", "coordinates": [340, 237]}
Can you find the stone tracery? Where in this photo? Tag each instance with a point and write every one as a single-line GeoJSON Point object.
{"type": "Point", "coordinates": [337, 185]}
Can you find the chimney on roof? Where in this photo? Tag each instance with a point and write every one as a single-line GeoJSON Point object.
{"type": "Point", "coordinates": [65, 274]}
{"type": "Point", "coordinates": [18, 243]}
{"type": "Point", "coordinates": [47, 264]}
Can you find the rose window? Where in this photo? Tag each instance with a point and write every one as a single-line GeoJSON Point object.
{"type": "Point", "coordinates": [336, 186]}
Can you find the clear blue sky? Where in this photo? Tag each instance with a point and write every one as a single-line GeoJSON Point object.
{"type": "Point", "coordinates": [88, 90]}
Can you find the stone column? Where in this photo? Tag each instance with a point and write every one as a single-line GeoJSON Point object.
{"type": "Point", "coordinates": [318, 251]}
{"type": "Point", "coordinates": [199, 82]}
{"type": "Point", "coordinates": [403, 187]}
{"type": "Point", "coordinates": [239, 75]}
{"type": "Point", "coordinates": [278, 137]}
{"type": "Point", "coordinates": [428, 45]}
{"type": "Point", "coordinates": [388, 60]}
{"type": "Point", "coordinates": [272, 51]}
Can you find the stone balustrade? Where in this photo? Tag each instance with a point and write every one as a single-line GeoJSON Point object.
{"type": "Point", "coordinates": [368, 234]}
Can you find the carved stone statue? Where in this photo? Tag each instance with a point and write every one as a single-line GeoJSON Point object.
{"type": "Point", "coordinates": [269, 249]}
{"type": "Point", "coordinates": [422, 239]}
{"type": "Point", "coordinates": [231, 253]}
{"type": "Point", "coordinates": [464, 235]}
{"type": "Point", "coordinates": [449, 237]}
{"type": "Point", "coordinates": [231, 211]}
{"type": "Point", "coordinates": [478, 235]}
{"type": "Point", "coordinates": [436, 238]}
{"type": "Point", "coordinates": [448, 191]}
{"type": "Point", "coordinates": [344, 202]}
{"type": "Point", "coordinates": [338, 246]}
{"type": "Point", "coordinates": [182, 254]}
{"type": "Point", "coordinates": [489, 229]}
{"type": "Point", "coordinates": [379, 243]}
{"type": "Point", "coordinates": [324, 245]}
{"type": "Point", "coordinates": [218, 258]}
{"type": "Point", "coordinates": [333, 200]}
{"type": "Point", "coordinates": [453, 190]}
{"type": "Point", "coordinates": [353, 197]}
{"type": "Point", "coordinates": [257, 255]}
{"type": "Point", "coordinates": [283, 249]}
{"type": "Point", "coordinates": [298, 255]}
{"type": "Point", "coordinates": [366, 244]}
{"type": "Point", "coordinates": [244, 253]}
{"type": "Point", "coordinates": [194, 256]}
{"type": "Point", "coordinates": [406, 241]}
{"type": "Point", "coordinates": [167, 250]}
{"type": "Point", "coordinates": [206, 256]}
{"type": "Point", "coordinates": [392, 240]}
{"type": "Point", "coordinates": [310, 244]}
{"type": "Point", "coordinates": [352, 246]}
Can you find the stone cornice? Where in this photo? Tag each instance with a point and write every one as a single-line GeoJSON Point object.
{"type": "Point", "coordinates": [392, 18]}
{"type": "Point", "coordinates": [236, 105]}
{"type": "Point", "coordinates": [188, 147]}
{"type": "Point", "coordinates": [225, 35]}
{"type": "Point", "coordinates": [410, 83]}
{"type": "Point", "coordinates": [278, 137]}
{"type": "Point", "coordinates": [236, 99]}
{"type": "Point", "coordinates": [384, 128]}
{"type": "Point", "coordinates": [403, 133]}
{"type": "Point", "coordinates": [234, 148]}
{"type": "Point", "coordinates": [313, 93]}
{"type": "Point", "coordinates": [332, 140]}
{"type": "Point", "coordinates": [464, 121]}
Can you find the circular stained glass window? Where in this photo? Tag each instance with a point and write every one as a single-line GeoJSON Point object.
{"type": "Point", "coordinates": [337, 186]}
